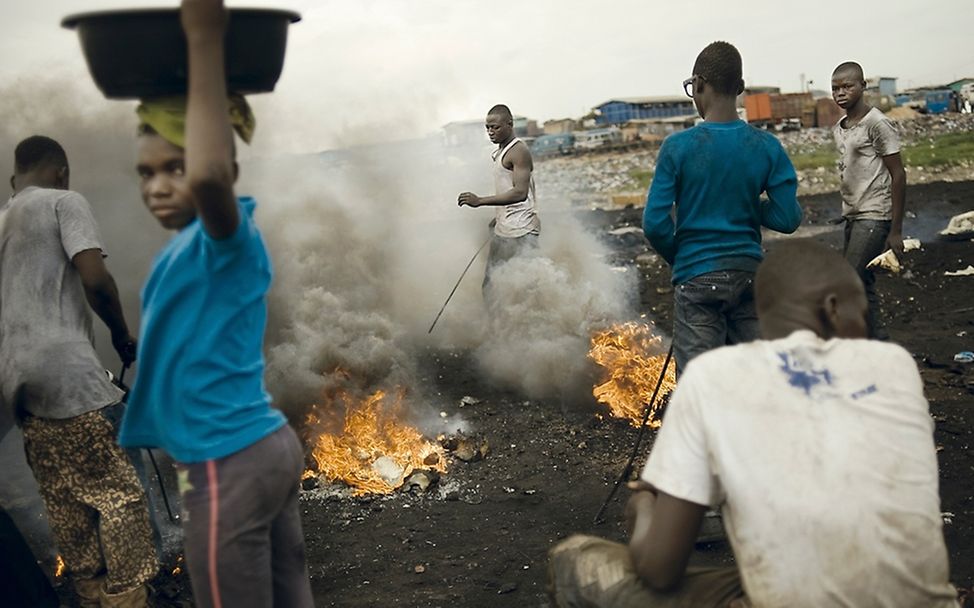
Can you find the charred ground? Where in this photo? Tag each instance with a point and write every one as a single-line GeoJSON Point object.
{"type": "Point", "coordinates": [481, 539]}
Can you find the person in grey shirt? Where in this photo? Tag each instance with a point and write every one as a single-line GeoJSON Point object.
{"type": "Point", "coordinates": [873, 182]}
{"type": "Point", "coordinates": [53, 385]}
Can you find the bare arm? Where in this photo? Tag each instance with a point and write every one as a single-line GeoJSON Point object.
{"type": "Point", "coordinates": [102, 295]}
{"type": "Point", "coordinates": [894, 164]}
{"type": "Point", "coordinates": [210, 170]}
{"type": "Point", "coordinates": [522, 166]}
{"type": "Point", "coordinates": [664, 529]}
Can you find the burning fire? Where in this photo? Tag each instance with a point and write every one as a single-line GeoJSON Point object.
{"type": "Point", "coordinates": [59, 568]}
{"type": "Point", "coordinates": [375, 452]}
{"type": "Point", "coordinates": [626, 351]}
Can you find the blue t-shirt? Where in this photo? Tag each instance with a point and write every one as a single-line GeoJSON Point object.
{"type": "Point", "coordinates": [200, 391]}
{"type": "Point", "coordinates": [715, 173]}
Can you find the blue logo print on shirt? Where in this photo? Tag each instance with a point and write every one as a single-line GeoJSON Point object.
{"type": "Point", "coordinates": [801, 375]}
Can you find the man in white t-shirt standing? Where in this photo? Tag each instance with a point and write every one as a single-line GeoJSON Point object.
{"type": "Point", "coordinates": [516, 223]}
{"type": "Point", "coordinates": [816, 444]}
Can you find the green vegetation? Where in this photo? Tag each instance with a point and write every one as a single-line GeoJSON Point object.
{"type": "Point", "coordinates": [941, 151]}
{"type": "Point", "coordinates": [641, 178]}
{"type": "Point", "coordinates": [821, 156]}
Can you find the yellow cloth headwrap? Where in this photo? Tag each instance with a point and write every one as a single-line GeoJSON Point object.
{"type": "Point", "coordinates": [167, 117]}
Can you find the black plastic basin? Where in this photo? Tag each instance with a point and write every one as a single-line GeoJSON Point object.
{"type": "Point", "coordinates": [142, 52]}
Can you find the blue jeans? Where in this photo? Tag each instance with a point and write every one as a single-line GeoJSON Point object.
{"type": "Point", "coordinates": [864, 240]}
{"type": "Point", "coordinates": [712, 310]}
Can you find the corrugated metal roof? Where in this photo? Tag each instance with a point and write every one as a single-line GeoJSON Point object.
{"type": "Point", "coordinates": [665, 99]}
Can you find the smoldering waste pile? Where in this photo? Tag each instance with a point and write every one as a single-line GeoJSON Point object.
{"type": "Point", "coordinates": [362, 262]}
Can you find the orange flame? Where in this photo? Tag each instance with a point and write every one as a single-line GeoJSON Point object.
{"type": "Point", "coordinates": [626, 351]}
{"type": "Point", "coordinates": [59, 569]}
{"type": "Point", "coordinates": [372, 447]}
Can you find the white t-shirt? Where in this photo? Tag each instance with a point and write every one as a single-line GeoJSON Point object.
{"type": "Point", "coordinates": [821, 454]}
{"type": "Point", "coordinates": [48, 365]}
{"type": "Point", "coordinates": [866, 185]}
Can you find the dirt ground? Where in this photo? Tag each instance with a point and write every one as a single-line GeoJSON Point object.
{"type": "Point", "coordinates": [551, 464]}
{"type": "Point", "coordinates": [481, 539]}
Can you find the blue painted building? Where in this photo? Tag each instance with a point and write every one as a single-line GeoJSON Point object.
{"type": "Point", "coordinates": [623, 109]}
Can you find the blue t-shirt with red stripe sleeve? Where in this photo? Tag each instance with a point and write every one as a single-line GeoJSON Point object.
{"type": "Point", "coordinates": [200, 392]}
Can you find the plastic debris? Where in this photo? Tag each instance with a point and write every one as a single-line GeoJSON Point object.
{"type": "Point", "coordinates": [964, 356]}
{"type": "Point", "coordinates": [959, 225]}
{"type": "Point", "coordinates": [966, 272]}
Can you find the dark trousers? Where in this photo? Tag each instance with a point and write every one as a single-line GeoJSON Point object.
{"type": "Point", "coordinates": [712, 310]}
{"type": "Point", "coordinates": [242, 527]}
{"type": "Point", "coordinates": [21, 579]}
{"type": "Point", "coordinates": [864, 240]}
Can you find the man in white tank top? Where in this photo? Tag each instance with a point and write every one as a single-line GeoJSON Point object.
{"type": "Point", "coordinates": [516, 224]}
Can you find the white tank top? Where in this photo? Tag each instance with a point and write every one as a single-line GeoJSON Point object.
{"type": "Point", "coordinates": [516, 219]}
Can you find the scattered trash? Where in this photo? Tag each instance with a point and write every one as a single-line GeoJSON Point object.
{"type": "Point", "coordinates": [959, 225]}
{"type": "Point", "coordinates": [948, 517]}
{"type": "Point", "coordinates": [468, 400]}
{"type": "Point", "coordinates": [961, 333]}
{"type": "Point", "coordinates": [388, 470]}
{"type": "Point", "coordinates": [965, 356]}
{"type": "Point", "coordinates": [966, 272]}
{"type": "Point", "coordinates": [421, 480]}
{"type": "Point", "coordinates": [419, 569]}
{"type": "Point", "coordinates": [467, 449]}
{"type": "Point", "coordinates": [887, 261]}
{"type": "Point", "coordinates": [626, 230]}
{"type": "Point", "coordinates": [507, 588]}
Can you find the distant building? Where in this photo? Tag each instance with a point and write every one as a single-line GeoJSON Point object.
{"type": "Point", "coordinates": [560, 126]}
{"type": "Point", "coordinates": [655, 129]}
{"type": "Point", "coordinates": [524, 127]}
{"type": "Point", "coordinates": [623, 109]}
{"type": "Point", "coordinates": [465, 133]}
{"type": "Point", "coordinates": [957, 85]}
{"type": "Point", "coordinates": [884, 86]}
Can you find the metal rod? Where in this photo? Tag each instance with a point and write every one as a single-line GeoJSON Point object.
{"type": "Point", "coordinates": [162, 486]}
{"type": "Point", "coordinates": [152, 459]}
{"type": "Point", "coordinates": [639, 439]}
{"type": "Point", "coordinates": [454, 290]}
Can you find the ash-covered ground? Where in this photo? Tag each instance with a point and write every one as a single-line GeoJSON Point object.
{"type": "Point", "coordinates": [481, 536]}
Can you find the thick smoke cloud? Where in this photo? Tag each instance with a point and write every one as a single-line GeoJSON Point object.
{"type": "Point", "coordinates": [368, 243]}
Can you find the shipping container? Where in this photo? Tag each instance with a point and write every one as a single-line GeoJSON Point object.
{"type": "Point", "coordinates": [827, 112]}
{"type": "Point", "coordinates": [771, 108]}
{"type": "Point", "coordinates": [758, 107]}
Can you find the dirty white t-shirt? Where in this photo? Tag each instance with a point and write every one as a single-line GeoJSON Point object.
{"type": "Point", "coordinates": [48, 365]}
{"type": "Point", "coordinates": [867, 187]}
{"type": "Point", "coordinates": [821, 454]}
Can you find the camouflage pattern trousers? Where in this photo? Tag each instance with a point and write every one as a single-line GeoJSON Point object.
{"type": "Point", "coordinates": [95, 504]}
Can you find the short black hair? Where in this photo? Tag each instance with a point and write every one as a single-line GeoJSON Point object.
{"type": "Point", "coordinates": [719, 63]}
{"type": "Point", "coordinates": [38, 151]}
{"type": "Point", "coordinates": [795, 268]}
{"type": "Point", "coordinates": [850, 66]}
{"type": "Point", "coordinates": [501, 110]}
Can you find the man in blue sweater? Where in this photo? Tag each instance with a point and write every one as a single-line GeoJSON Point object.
{"type": "Point", "coordinates": [713, 175]}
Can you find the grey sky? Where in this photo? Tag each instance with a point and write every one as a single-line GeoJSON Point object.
{"type": "Point", "coordinates": [367, 70]}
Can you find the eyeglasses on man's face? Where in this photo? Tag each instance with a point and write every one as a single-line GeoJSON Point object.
{"type": "Point", "coordinates": [688, 85]}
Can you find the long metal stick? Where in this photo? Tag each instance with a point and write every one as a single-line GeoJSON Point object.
{"type": "Point", "coordinates": [627, 471]}
{"type": "Point", "coordinates": [162, 485]}
{"type": "Point", "coordinates": [152, 459]}
{"type": "Point", "coordinates": [454, 290]}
